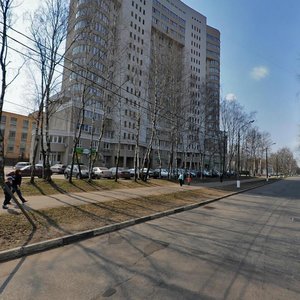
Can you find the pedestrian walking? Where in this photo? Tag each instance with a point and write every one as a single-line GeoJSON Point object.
{"type": "Point", "coordinates": [7, 196]}
{"type": "Point", "coordinates": [221, 177]}
{"type": "Point", "coordinates": [16, 185]}
{"type": "Point", "coordinates": [181, 179]}
{"type": "Point", "coordinates": [189, 179]}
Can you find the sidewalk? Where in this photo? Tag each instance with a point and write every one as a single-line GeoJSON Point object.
{"type": "Point", "coordinates": [36, 203]}
{"type": "Point", "coordinates": [76, 199]}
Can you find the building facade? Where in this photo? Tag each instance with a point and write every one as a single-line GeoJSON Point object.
{"type": "Point", "coordinates": [17, 132]}
{"type": "Point", "coordinates": [140, 83]}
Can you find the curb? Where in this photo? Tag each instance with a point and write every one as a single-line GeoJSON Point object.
{"type": "Point", "coordinates": [22, 251]}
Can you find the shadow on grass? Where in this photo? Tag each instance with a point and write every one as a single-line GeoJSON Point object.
{"type": "Point", "coordinates": [34, 184]}
{"type": "Point", "coordinates": [57, 188]}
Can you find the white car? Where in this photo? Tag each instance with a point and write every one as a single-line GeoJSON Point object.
{"type": "Point", "coordinates": [84, 171]}
{"type": "Point", "coordinates": [58, 168]}
{"type": "Point", "coordinates": [102, 172]}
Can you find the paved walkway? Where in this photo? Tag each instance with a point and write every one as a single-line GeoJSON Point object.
{"type": "Point", "coordinates": [58, 200]}
{"type": "Point", "coordinates": [74, 199]}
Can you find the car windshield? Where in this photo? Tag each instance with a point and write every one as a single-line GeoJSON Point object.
{"type": "Point", "coordinates": [25, 168]}
{"type": "Point", "coordinates": [22, 164]}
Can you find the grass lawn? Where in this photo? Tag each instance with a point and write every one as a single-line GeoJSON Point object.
{"type": "Point", "coordinates": [41, 187]}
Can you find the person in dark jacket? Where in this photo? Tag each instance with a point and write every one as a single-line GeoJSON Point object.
{"type": "Point", "coordinates": [16, 184]}
{"type": "Point", "coordinates": [7, 196]}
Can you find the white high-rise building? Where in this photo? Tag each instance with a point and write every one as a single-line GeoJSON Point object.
{"type": "Point", "coordinates": [142, 74]}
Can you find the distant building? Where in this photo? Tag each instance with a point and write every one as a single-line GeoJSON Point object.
{"type": "Point", "coordinates": [17, 133]}
{"type": "Point", "coordinates": [117, 47]}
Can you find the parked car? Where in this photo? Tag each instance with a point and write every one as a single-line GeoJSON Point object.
{"type": "Point", "coordinates": [152, 173]}
{"type": "Point", "coordinates": [26, 171]}
{"type": "Point", "coordinates": [122, 172]}
{"type": "Point", "coordinates": [215, 173]}
{"type": "Point", "coordinates": [161, 173]}
{"type": "Point", "coordinates": [102, 172]}
{"type": "Point", "coordinates": [145, 171]}
{"type": "Point", "coordinates": [190, 173]}
{"type": "Point", "coordinates": [19, 165]}
{"type": "Point", "coordinates": [83, 173]}
{"type": "Point", "coordinates": [58, 168]}
{"type": "Point", "coordinates": [131, 171]}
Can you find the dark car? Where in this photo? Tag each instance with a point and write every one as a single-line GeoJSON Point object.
{"type": "Point", "coordinates": [152, 173]}
{"type": "Point", "coordinates": [26, 171]}
{"type": "Point", "coordinates": [122, 173]}
{"type": "Point", "coordinates": [58, 168]}
{"type": "Point", "coordinates": [83, 173]}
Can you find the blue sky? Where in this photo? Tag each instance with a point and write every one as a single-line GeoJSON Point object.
{"type": "Point", "coordinates": [260, 60]}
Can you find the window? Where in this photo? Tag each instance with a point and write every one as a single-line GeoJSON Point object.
{"type": "Point", "coordinates": [13, 121]}
{"type": "Point", "coordinates": [10, 148]}
{"type": "Point", "coordinates": [25, 124]}
{"type": "Point", "coordinates": [12, 135]}
{"type": "Point", "coordinates": [22, 149]}
{"type": "Point", "coordinates": [24, 136]}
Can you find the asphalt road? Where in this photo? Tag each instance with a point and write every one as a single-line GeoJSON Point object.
{"type": "Point", "coordinates": [243, 247]}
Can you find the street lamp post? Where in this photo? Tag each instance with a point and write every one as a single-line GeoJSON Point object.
{"type": "Point", "coordinates": [238, 182]}
{"type": "Point", "coordinates": [224, 153]}
{"type": "Point", "coordinates": [267, 169]}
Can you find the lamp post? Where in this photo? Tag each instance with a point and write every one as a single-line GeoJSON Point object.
{"type": "Point", "coordinates": [224, 153]}
{"type": "Point", "coordinates": [267, 169]}
{"type": "Point", "coordinates": [238, 182]}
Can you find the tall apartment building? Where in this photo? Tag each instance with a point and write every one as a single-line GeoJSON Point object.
{"type": "Point", "coordinates": [17, 132]}
{"type": "Point", "coordinates": [141, 74]}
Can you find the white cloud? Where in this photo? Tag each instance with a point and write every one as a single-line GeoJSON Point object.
{"type": "Point", "coordinates": [230, 97]}
{"type": "Point", "coordinates": [259, 73]}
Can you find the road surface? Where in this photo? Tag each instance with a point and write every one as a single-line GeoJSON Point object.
{"type": "Point", "coordinates": [243, 247]}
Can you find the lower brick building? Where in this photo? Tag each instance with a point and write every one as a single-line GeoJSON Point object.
{"type": "Point", "coordinates": [17, 133]}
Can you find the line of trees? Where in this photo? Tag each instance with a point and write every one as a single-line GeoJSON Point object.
{"type": "Point", "coordinates": [240, 132]}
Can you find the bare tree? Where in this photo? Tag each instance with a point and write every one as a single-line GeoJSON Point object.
{"type": "Point", "coordinates": [156, 94]}
{"type": "Point", "coordinates": [264, 144]}
{"type": "Point", "coordinates": [207, 138]}
{"type": "Point", "coordinates": [48, 30]}
{"type": "Point", "coordinates": [253, 145]}
{"type": "Point", "coordinates": [114, 55]}
{"type": "Point", "coordinates": [6, 8]}
{"type": "Point", "coordinates": [235, 122]}
{"type": "Point", "coordinates": [173, 116]}
{"type": "Point", "coordinates": [166, 98]}
{"type": "Point", "coordinates": [90, 77]}
{"type": "Point", "coordinates": [283, 162]}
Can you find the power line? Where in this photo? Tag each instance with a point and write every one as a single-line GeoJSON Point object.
{"type": "Point", "coordinates": [181, 119]}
